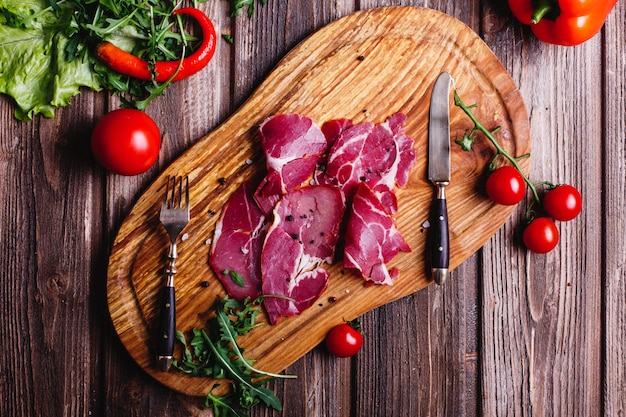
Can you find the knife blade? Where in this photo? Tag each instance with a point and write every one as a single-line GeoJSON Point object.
{"type": "Point", "coordinates": [439, 175]}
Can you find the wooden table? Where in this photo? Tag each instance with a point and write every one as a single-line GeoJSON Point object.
{"type": "Point", "coordinates": [510, 333]}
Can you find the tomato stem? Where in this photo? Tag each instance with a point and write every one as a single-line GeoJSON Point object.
{"type": "Point", "coordinates": [499, 149]}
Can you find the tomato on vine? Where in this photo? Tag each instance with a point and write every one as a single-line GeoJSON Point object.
{"type": "Point", "coordinates": [506, 186]}
{"type": "Point", "coordinates": [345, 339]}
{"type": "Point", "coordinates": [541, 235]}
{"type": "Point", "coordinates": [563, 202]}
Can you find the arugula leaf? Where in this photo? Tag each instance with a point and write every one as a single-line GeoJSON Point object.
{"type": "Point", "coordinates": [235, 277]}
{"type": "Point", "coordinates": [239, 5]}
{"type": "Point", "coordinates": [249, 390]}
{"type": "Point", "coordinates": [222, 406]}
{"type": "Point", "coordinates": [229, 335]}
{"type": "Point", "coordinates": [220, 356]}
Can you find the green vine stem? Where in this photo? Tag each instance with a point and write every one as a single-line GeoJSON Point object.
{"type": "Point", "coordinates": [468, 139]}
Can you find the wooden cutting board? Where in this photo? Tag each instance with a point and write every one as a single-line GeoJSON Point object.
{"type": "Point", "coordinates": [365, 66]}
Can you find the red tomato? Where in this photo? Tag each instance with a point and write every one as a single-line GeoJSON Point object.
{"type": "Point", "coordinates": [126, 141]}
{"type": "Point", "coordinates": [563, 202]}
{"type": "Point", "coordinates": [344, 340]}
{"type": "Point", "coordinates": [506, 186]}
{"type": "Point", "coordinates": [541, 235]}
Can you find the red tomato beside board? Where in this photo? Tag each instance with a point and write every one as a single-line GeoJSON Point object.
{"type": "Point", "coordinates": [126, 141]}
{"type": "Point", "coordinates": [344, 340]}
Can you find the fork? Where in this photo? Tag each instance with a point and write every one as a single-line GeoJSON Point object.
{"type": "Point", "coordinates": [174, 216]}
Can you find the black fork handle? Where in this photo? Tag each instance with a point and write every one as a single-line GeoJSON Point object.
{"type": "Point", "coordinates": [167, 328]}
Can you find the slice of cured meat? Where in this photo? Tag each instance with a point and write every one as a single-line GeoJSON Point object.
{"type": "Point", "coordinates": [303, 234]}
{"type": "Point", "coordinates": [292, 145]}
{"type": "Point", "coordinates": [333, 128]}
{"type": "Point", "coordinates": [237, 243]}
{"type": "Point", "coordinates": [372, 238]}
{"type": "Point", "coordinates": [380, 155]}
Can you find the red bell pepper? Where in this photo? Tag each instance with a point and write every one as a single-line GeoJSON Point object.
{"type": "Point", "coordinates": [563, 22]}
{"type": "Point", "coordinates": [128, 64]}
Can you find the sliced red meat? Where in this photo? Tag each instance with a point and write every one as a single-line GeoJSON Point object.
{"type": "Point", "coordinates": [406, 148]}
{"type": "Point", "coordinates": [292, 145]}
{"type": "Point", "coordinates": [288, 288]}
{"type": "Point", "coordinates": [333, 128]}
{"type": "Point", "coordinates": [304, 234]}
{"type": "Point", "coordinates": [380, 155]}
{"type": "Point", "coordinates": [237, 243]}
{"type": "Point", "coordinates": [372, 238]}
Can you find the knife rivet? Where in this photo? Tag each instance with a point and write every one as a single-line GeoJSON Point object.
{"type": "Point", "coordinates": [168, 305]}
{"type": "Point", "coordinates": [440, 249]}
{"type": "Point", "coordinates": [440, 218]}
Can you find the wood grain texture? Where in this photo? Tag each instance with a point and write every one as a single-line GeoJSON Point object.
{"type": "Point", "coordinates": [533, 326]}
{"type": "Point", "coordinates": [464, 349]}
{"type": "Point", "coordinates": [614, 223]}
{"type": "Point", "coordinates": [323, 78]}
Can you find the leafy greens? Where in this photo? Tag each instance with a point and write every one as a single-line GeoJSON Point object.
{"type": "Point", "coordinates": [46, 48]}
{"type": "Point", "coordinates": [33, 67]}
{"type": "Point", "coordinates": [221, 357]}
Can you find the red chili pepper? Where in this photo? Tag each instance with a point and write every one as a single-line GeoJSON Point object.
{"type": "Point", "coordinates": [563, 22]}
{"type": "Point", "coordinates": [128, 64]}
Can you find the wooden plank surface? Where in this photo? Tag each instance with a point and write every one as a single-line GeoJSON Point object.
{"type": "Point", "coordinates": [511, 333]}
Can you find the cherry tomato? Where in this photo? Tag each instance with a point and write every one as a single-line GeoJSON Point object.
{"type": "Point", "coordinates": [506, 186]}
{"type": "Point", "coordinates": [541, 235]}
{"type": "Point", "coordinates": [126, 141]}
{"type": "Point", "coordinates": [563, 202]}
{"type": "Point", "coordinates": [345, 339]}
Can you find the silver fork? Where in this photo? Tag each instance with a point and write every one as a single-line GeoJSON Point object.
{"type": "Point", "coordinates": [174, 217]}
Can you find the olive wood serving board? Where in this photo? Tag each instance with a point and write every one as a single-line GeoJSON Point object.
{"type": "Point", "coordinates": [365, 66]}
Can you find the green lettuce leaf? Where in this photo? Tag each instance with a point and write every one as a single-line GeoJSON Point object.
{"type": "Point", "coordinates": [33, 68]}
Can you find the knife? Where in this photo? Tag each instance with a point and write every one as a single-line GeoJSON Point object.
{"type": "Point", "coordinates": [439, 175]}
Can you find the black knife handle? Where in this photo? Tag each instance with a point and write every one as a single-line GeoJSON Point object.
{"type": "Point", "coordinates": [440, 239]}
{"type": "Point", "coordinates": [167, 326]}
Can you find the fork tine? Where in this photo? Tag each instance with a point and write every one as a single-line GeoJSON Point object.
{"type": "Point", "coordinates": [179, 202]}
{"type": "Point", "coordinates": [186, 193]}
{"type": "Point", "coordinates": [169, 188]}
{"type": "Point", "coordinates": [175, 189]}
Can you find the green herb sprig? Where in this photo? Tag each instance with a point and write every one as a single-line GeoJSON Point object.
{"type": "Point", "coordinates": [217, 355]}
{"type": "Point", "coordinates": [468, 139]}
{"type": "Point", "coordinates": [239, 5]}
